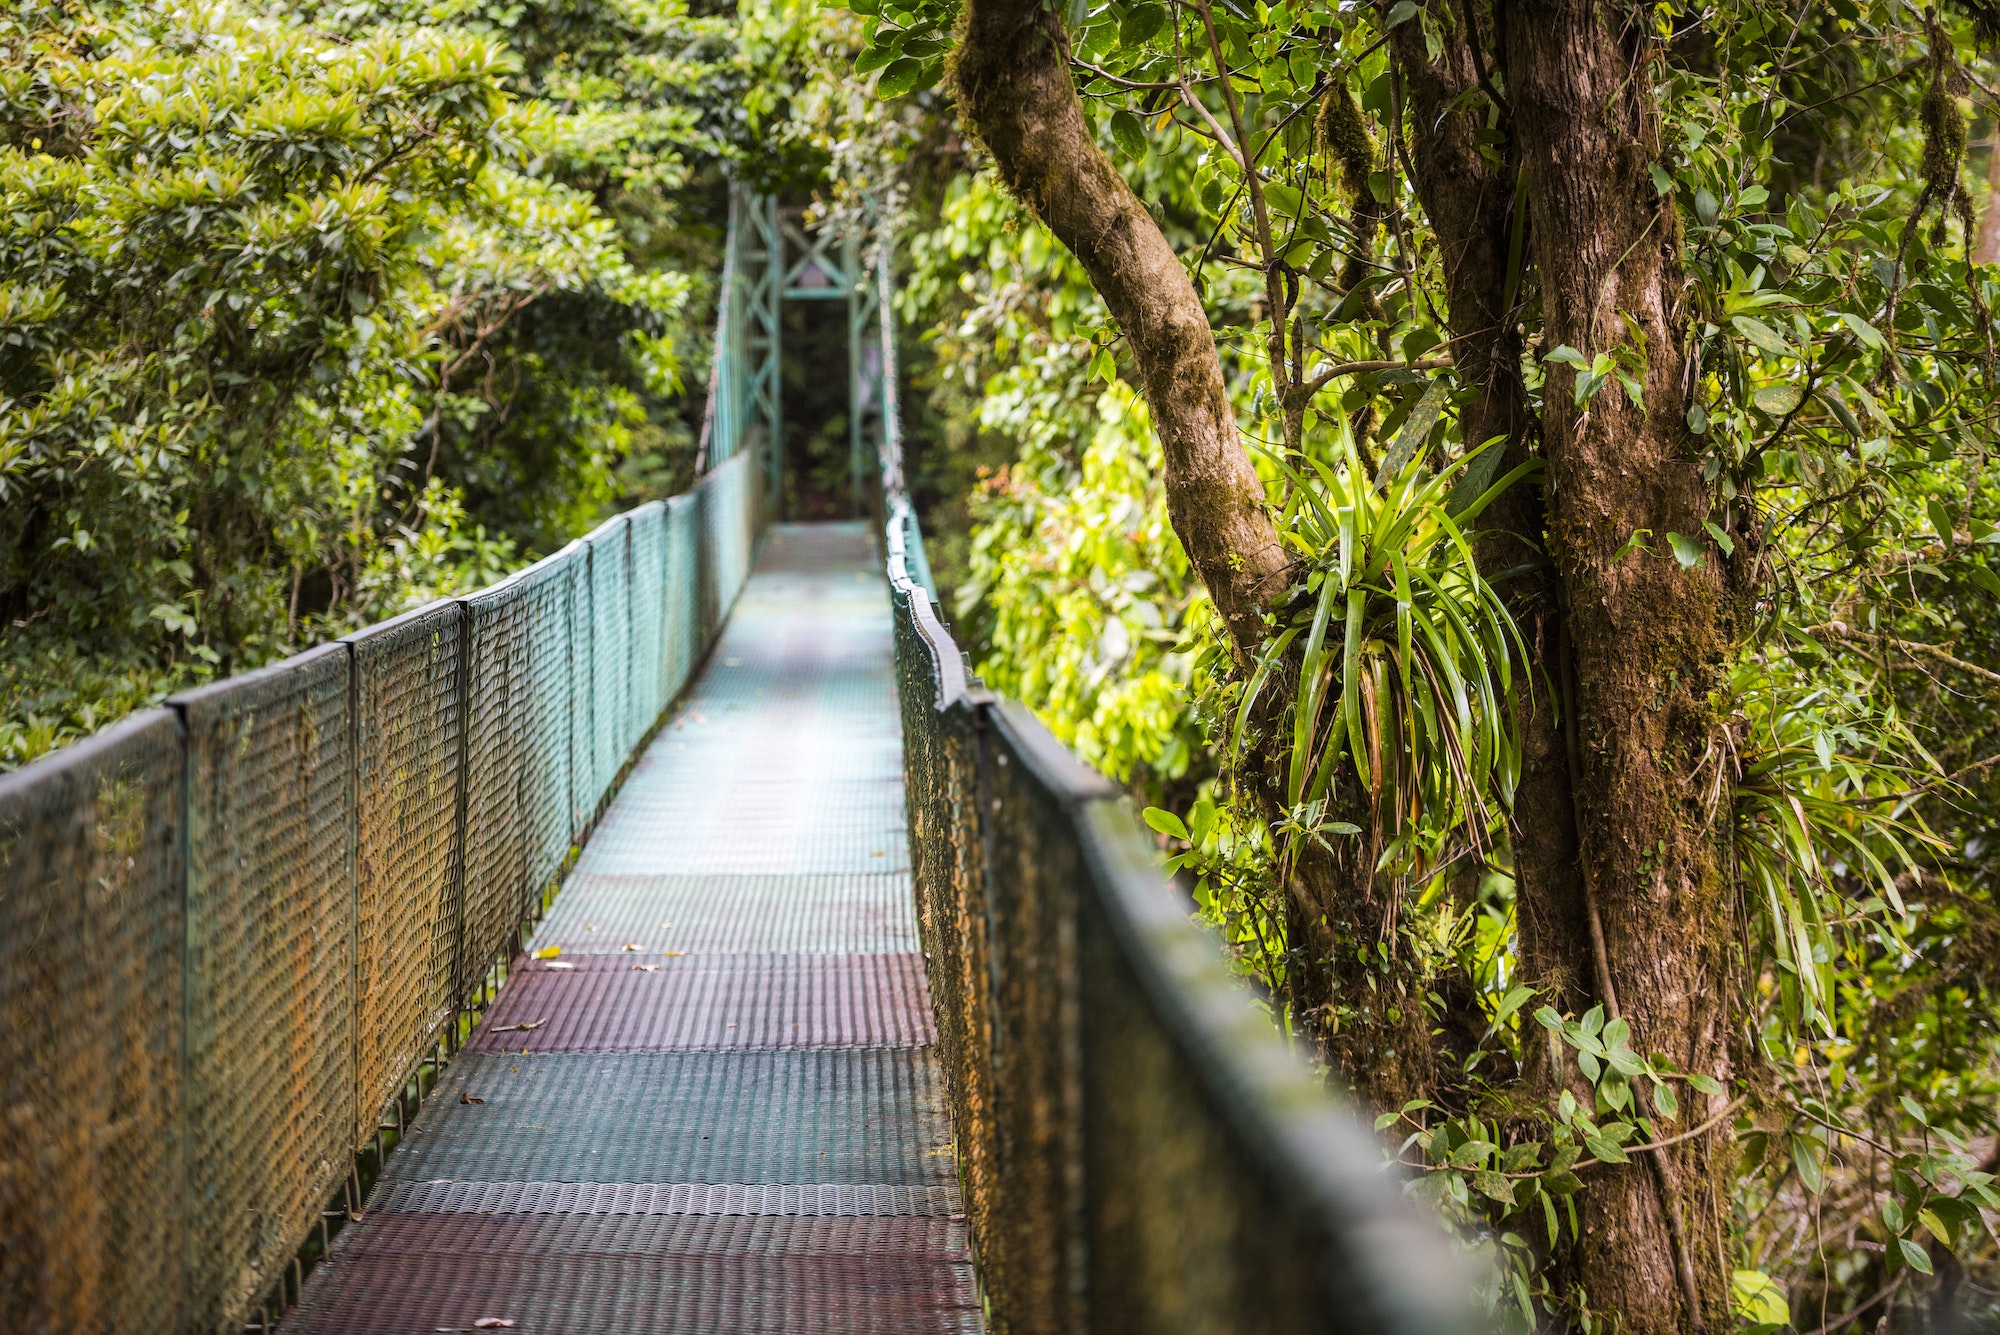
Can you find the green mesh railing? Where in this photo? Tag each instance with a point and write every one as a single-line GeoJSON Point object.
{"type": "Point", "coordinates": [1138, 1149]}
{"type": "Point", "coordinates": [231, 929]}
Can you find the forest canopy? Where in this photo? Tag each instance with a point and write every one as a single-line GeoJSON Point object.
{"type": "Point", "coordinates": [1507, 483]}
{"type": "Point", "coordinates": [309, 314]}
{"type": "Point", "coordinates": [1504, 483]}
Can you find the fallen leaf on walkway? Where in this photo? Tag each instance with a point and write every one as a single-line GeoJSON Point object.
{"type": "Point", "coordinates": [465, 1096]}
{"type": "Point", "coordinates": [632, 945]}
{"type": "Point", "coordinates": [560, 964]}
{"type": "Point", "coordinates": [492, 1323]}
{"type": "Point", "coordinates": [548, 952]}
{"type": "Point", "coordinates": [674, 953]}
{"type": "Point", "coordinates": [520, 1028]}
{"type": "Point", "coordinates": [645, 968]}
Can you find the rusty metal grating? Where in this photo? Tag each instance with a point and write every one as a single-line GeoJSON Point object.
{"type": "Point", "coordinates": [553, 1275]}
{"type": "Point", "coordinates": [824, 1115]}
{"type": "Point", "coordinates": [602, 914]}
{"type": "Point", "coordinates": [633, 1002]}
{"type": "Point", "coordinates": [447, 1196]}
{"type": "Point", "coordinates": [715, 1107]}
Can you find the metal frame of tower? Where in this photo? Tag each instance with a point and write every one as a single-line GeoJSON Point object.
{"type": "Point", "coordinates": [769, 260]}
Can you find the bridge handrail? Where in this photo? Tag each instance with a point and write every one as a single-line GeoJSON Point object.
{"type": "Point", "coordinates": [232, 928]}
{"type": "Point", "coordinates": [1138, 1149]}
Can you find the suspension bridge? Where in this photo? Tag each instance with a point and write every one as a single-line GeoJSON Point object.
{"type": "Point", "coordinates": [671, 937]}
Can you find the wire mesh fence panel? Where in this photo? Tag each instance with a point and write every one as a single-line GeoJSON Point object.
{"type": "Point", "coordinates": [407, 676]}
{"type": "Point", "coordinates": [1139, 1151]}
{"type": "Point", "coordinates": [611, 624]}
{"type": "Point", "coordinates": [519, 803]}
{"type": "Point", "coordinates": [718, 509]}
{"type": "Point", "coordinates": [91, 931]}
{"type": "Point", "coordinates": [1028, 887]}
{"type": "Point", "coordinates": [683, 593]}
{"type": "Point", "coordinates": [269, 993]}
{"type": "Point", "coordinates": [730, 502]}
{"type": "Point", "coordinates": [648, 625]}
{"type": "Point", "coordinates": [941, 756]}
{"type": "Point", "coordinates": [996, 917]}
{"type": "Point", "coordinates": [586, 785]}
{"type": "Point", "coordinates": [495, 826]}
{"type": "Point", "coordinates": [545, 707]}
{"type": "Point", "coordinates": [1189, 1225]}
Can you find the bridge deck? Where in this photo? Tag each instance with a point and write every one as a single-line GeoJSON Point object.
{"type": "Point", "coordinates": [717, 1110]}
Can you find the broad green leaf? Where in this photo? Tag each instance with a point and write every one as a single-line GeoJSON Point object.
{"type": "Point", "coordinates": [1806, 1158]}
{"type": "Point", "coordinates": [1864, 331]}
{"type": "Point", "coordinates": [906, 75]}
{"type": "Point", "coordinates": [1940, 518]}
{"type": "Point", "coordinates": [1140, 23]}
{"type": "Point", "coordinates": [1416, 430]}
{"type": "Point", "coordinates": [1758, 1299]}
{"type": "Point", "coordinates": [1777, 400]}
{"type": "Point", "coordinates": [1284, 198]}
{"type": "Point", "coordinates": [1166, 822]}
{"type": "Point", "coordinates": [1128, 134]}
{"type": "Point", "coordinates": [1766, 338]}
{"type": "Point", "coordinates": [887, 47]}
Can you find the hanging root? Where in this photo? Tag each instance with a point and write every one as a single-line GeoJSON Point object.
{"type": "Point", "coordinates": [1942, 114]}
{"type": "Point", "coordinates": [1344, 137]}
{"type": "Point", "coordinates": [1342, 134]}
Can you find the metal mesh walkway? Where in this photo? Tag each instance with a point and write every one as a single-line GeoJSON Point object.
{"type": "Point", "coordinates": [717, 1110]}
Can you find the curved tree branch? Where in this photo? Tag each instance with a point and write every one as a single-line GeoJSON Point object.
{"type": "Point", "coordinates": [1017, 95]}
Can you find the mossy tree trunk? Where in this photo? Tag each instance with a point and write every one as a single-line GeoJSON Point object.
{"type": "Point", "coordinates": [1648, 637]}
{"type": "Point", "coordinates": [1623, 900]}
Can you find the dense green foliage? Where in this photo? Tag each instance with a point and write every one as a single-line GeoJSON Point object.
{"type": "Point", "coordinates": [1845, 358]}
{"type": "Point", "coordinates": [310, 314]}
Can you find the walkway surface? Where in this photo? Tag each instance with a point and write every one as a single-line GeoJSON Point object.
{"type": "Point", "coordinates": [717, 1110]}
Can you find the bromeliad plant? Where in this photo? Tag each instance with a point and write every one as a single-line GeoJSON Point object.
{"type": "Point", "coordinates": [1403, 656]}
{"type": "Point", "coordinates": [1372, 738]}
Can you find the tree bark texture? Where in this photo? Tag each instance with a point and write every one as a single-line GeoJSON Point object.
{"type": "Point", "coordinates": [1623, 897]}
{"type": "Point", "coordinates": [1648, 640]}
{"type": "Point", "coordinates": [1470, 203]}
{"type": "Point", "coordinates": [1012, 74]}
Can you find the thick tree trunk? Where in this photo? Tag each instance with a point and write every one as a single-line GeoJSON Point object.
{"type": "Point", "coordinates": [1016, 94]}
{"type": "Point", "coordinates": [1470, 203]}
{"type": "Point", "coordinates": [1635, 782]}
{"type": "Point", "coordinates": [1648, 639]}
